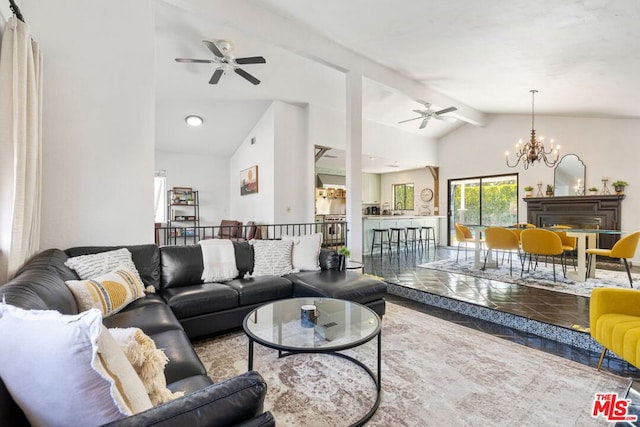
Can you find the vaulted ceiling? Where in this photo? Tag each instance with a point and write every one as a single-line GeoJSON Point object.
{"type": "Point", "coordinates": [482, 57]}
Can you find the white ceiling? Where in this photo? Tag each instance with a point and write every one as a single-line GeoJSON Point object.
{"type": "Point", "coordinates": [484, 57]}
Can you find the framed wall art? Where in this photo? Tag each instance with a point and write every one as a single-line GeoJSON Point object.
{"type": "Point", "coordinates": [249, 181]}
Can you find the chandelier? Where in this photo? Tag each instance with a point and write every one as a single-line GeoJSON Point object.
{"type": "Point", "coordinates": [534, 150]}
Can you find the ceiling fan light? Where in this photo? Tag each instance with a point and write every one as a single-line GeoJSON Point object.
{"type": "Point", "coordinates": [193, 120]}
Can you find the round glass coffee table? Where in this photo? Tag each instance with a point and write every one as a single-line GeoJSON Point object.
{"type": "Point", "coordinates": [339, 325]}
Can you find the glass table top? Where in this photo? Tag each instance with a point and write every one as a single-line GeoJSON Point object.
{"type": "Point", "coordinates": [572, 230]}
{"type": "Point", "coordinates": [339, 325]}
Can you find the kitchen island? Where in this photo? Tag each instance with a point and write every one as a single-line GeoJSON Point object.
{"type": "Point", "coordinates": [369, 222]}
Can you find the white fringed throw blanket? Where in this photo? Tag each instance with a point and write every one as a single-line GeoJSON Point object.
{"type": "Point", "coordinates": [219, 259]}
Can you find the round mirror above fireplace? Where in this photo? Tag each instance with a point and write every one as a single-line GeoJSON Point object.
{"type": "Point", "coordinates": [569, 176]}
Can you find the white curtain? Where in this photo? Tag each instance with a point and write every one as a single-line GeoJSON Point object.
{"type": "Point", "coordinates": [20, 146]}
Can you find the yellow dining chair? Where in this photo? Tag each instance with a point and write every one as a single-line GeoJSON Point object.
{"type": "Point", "coordinates": [538, 241]}
{"type": "Point", "coordinates": [624, 248]}
{"type": "Point", "coordinates": [501, 239]}
{"type": "Point", "coordinates": [569, 244]}
{"type": "Point", "coordinates": [463, 235]}
{"type": "Point", "coordinates": [517, 228]}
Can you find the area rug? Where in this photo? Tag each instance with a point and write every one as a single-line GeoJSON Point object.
{"type": "Point", "coordinates": [434, 372]}
{"type": "Point", "coordinates": [541, 277]}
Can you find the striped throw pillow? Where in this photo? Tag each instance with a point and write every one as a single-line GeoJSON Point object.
{"type": "Point", "coordinates": [89, 266]}
{"type": "Point", "coordinates": [272, 257]}
{"type": "Point", "coordinates": [109, 293]}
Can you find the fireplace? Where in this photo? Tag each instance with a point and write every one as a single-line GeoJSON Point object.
{"type": "Point", "coordinates": [578, 212]}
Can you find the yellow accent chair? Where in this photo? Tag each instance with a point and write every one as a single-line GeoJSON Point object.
{"type": "Point", "coordinates": [569, 244]}
{"type": "Point", "coordinates": [538, 241]}
{"type": "Point", "coordinates": [517, 228]}
{"type": "Point", "coordinates": [614, 320]}
{"type": "Point", "coordinates": [463, 235]}
{"type": "Point", "coordinates": [624, 248]}
{"type": "Point", "coordinates": [501, 239]}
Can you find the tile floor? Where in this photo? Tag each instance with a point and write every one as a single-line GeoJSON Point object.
{"type": "Point", "coordinates": [550, 307]}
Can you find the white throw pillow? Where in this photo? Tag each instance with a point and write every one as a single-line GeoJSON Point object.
{"type": "Point", "coordinates": [148, 362]}
{"type": "Point", "coordinates": [109, 293]}
{"type": "Point", "coordinates": [272, 257]}
{"type": "Point", "coordinates": [306, 251]}
{"type": "Point", "coordinates": [55, 371]}
{"type": "Point", "coordinates": [94, 265]}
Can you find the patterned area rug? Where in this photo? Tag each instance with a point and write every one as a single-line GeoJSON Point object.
{"type": "Point", "coordinates": [541, 277]}
{"type": "Point", "coordinates": [434, 373]}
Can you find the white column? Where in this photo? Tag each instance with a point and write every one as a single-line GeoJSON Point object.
{"type": "Point", "coordinates": [354, 163]}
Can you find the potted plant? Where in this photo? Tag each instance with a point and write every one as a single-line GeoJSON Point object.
{"type": "Point", "coordinates": [593, 191]}
{"type": "Point", "coordinates": [528, 191]}
{"type": "Point", "coordinates": [549, 190]}
{"type": "Point", "coordinates": [619, 186]}
{"type": "Point", "coordinates": [343, 255]}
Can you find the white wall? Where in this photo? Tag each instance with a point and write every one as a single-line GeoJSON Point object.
{"type": "Point", "coordinates": [98, 120]}
{"type": "Point", "coordinates": [420, 178]}
{"type": "Point", "coordinates": [327, 127]}
{"type": "Point", "coordinates": [207, 174]}
{"type": "Point", "coordinates": [285, 169]}
{"type": "Point", "coordinates": [409, 149]}
{"type": "Point", "coordinates": [294, 166]}
{"type": "Point", "coordinates": [257, 207]}
{"type": "Point", "coordinates": [608, 147]}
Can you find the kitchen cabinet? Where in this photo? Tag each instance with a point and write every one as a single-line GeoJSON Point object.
{"type": "Point", "coordinates": [371, 188]}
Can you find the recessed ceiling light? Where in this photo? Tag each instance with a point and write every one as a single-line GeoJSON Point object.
{"type": "Point", "coordinates": [372, 158]}
{"type": "Point", "coordinates": [193, 120]}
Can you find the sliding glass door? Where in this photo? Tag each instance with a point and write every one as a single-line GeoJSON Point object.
{"type": "Point", "coordinates": [487, 200]}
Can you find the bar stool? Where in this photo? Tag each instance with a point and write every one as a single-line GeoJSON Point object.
{"type": "Point", "coordinates": [411, 237]}
{"type": "Point", "coordinates": [429, 236]}
{"type": "Point", "coordinates": [397, 232]}
{"type": "Point", "coordinates": [381, 232]}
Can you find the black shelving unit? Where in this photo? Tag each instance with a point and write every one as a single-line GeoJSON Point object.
{"type": "Point", "coordinates": [183, 216]}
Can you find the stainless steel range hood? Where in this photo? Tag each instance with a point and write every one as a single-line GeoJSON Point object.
{"type": "Point", "coordinates": [324, 180]}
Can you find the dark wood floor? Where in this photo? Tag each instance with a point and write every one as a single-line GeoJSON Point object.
{"type": "Point", "coordinates": [539, 304]}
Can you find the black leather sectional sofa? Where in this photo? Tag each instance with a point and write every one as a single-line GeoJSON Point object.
{"type": "Point", "coordinates": [183, 309]}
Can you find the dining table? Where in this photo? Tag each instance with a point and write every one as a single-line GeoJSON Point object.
{"type": "Point", "coordinates": [478, 229]}
{"type": "Point", "coordinates": [586, 238]}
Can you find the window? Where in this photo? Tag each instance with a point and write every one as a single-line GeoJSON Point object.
{"type": "Point", "coordinates": [486, 200]}
{"type": "Point", "coordinates": [403, 197]}
{"type": "Point", "coordinates": [160, 197]}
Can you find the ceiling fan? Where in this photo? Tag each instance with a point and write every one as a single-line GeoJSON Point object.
{"type": "Point", "coordinates": [429, 114]}
{"type": "Point", "coordinates": [226, 62]}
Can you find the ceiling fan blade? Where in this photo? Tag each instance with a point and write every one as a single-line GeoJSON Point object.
{"type": "Point", "coordinates": [246, 75]}
{"type": "Point", "coordinates": [216, 76]}
{"type": "Point", "coordinates": [424, 123]}
{"type": "Point", "coordinates": [213, 48]}
{"type": "Point", "coordinates": [197, 61]}
{"type": "Point", "coordinates": [446, 110]}
{"type": "Point", "coordinates": [408, 120]}
{"type": "Point", "coordinates": [421, 112]}
{"type": "Point", "coordinates": [251, 60]}
{"type": "Point", "coordinates": [446, 118]}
